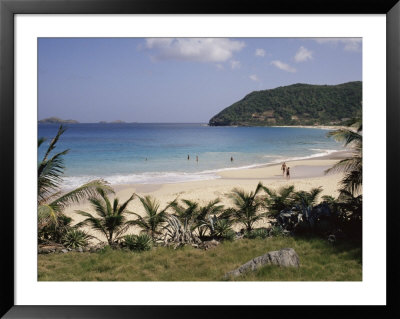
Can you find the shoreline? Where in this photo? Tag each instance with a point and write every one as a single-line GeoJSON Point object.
{"type": "Point", "coordinates": [305, 175]}
{"type": "Point", "coordinates": [321, 127]}
{"type": "Point", "coordinates": [303, 171]}
{"type": "Point", "coordinates": [205, 175]}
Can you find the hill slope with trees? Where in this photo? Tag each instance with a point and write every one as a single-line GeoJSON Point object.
{"type": "Point", "coordinates": [297, 104]}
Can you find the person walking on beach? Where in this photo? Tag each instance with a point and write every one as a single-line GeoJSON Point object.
{"type": "Point", "coordinates": [283, 168]}
{"type": "Point", "coordinates": [288, 172]}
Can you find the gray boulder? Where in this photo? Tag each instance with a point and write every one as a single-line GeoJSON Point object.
{"type": "Point", "coordinates": [286, 257]}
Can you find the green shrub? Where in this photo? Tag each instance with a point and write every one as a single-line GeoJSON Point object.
{"type": "Point", "coordinates": [223, 230]}
{"type": "Point", "coordinates": [228, 235]}
{"type": "Point", "coordinates": [257, 233]}
{"type": "Point", "coordinates": [55, 232]}
{"type": "Point", "coordinates": [140, 242]}
{"type": "Point", "coordinates": [276, 231]}
{"type": "Point", "coordinates": [74, 238]}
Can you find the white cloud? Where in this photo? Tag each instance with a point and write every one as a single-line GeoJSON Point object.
{"type": "Point", "coordinates": [235, 64]}
{"type": "Point", "coordinates": [254, 77]}
{"type": "Point", "coordinates": [303, 55]}
{"type": "Point", "coordinates": [260, 52]}
{"type": "Point", "coordinates": [193, 49]}
{"type": "Point", "coordinates": [349, 44]}
{"type": "Point", "coordinates": [283, 66]}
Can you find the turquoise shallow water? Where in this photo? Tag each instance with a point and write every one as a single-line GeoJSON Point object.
{"type": "Point", "coordinates": [118, 152]}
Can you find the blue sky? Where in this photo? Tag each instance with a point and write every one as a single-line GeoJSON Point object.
{"type": "Point", "coordinates": [179, 79]}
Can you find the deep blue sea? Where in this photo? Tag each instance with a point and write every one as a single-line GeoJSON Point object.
{"type": "Point", "coordinates": [157, 153]}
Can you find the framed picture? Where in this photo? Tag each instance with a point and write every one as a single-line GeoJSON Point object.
{"type": "Point", "coordinates": [180, 89]}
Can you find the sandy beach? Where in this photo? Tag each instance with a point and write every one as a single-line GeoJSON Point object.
{"type": "Point", "coordinates": [305, 175]}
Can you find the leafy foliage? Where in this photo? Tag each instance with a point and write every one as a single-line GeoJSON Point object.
{"type": "Point", "coordinates": [187, 212]}
{"type": "Point", "coordinates": [111, 219]}
{"type": "Point", "coordinates": [207, 216]}
{"type": "Point", "coordinates": [276, 201]}
{"type": "Point", "coordinates": [140, 242]}
{"type": "Point", "coordinates": [257, 233]}
{"type": "Point", "coordinates": [351, 166]}
{"type": "Point", "coordinates": [297, 104]}
{"type": "Point", "coordinates": [307, 199]}
{"type": "Point", "coordinates": [152, 222]}
{"type": "Point", "coordinates": [51, 202]}
{"type": "Point", "coordinates": [54, 232]}
{"type": "Point", "coordinates": [246, 206]}
{"type": "Point", "coordinates": [178, 233]}
{"type": "Point", "coordinates": [75, 238]}
{"type": "Point", "coordinates": [223, 229]}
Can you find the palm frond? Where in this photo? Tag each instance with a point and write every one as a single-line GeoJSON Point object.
{"type": "Point", "coordinates": [46, 215]}
{"type": "Point", "coordinates": [88, 190]}
{"type": "Point", "coordinates": [53, 142]}
{"type": "Point", "coordinates": [346, 136]}
{"type": "Point", "coordinates": [346, 164]}
{"type": "Point", "coordinates": [49, 175]}
{"type": "Point", "coordinates": [41, 141]}
{"type": "Point", "coordinates": [122, 208]}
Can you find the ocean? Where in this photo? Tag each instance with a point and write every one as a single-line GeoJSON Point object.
{"type": "Point", "coordinates": [158, 153]}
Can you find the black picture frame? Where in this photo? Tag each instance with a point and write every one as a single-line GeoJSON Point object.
{"type": "Point", "coordinates": [8, 8]}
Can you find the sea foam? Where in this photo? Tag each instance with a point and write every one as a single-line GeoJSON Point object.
{"type": "Point", "coordinates": [70, 182]}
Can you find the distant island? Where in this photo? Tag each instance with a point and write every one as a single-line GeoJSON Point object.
{"type": "Point", "coordinates": [56, 120]}
{"type": "Point", "coordinates": [297, 104]}
{"type": "Point", "coordinates": [113, 122]}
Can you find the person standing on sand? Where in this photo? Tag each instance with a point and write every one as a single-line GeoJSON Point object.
{"type": "Point", "coordinates": [283, 168]}
{"type": "Point", "coordinates": [288, 172]}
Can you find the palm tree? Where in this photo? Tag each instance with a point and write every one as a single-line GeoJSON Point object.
{"type": "Point", "coordinates": [351, 166]}
{"type": "Point", "coordinates": [206, 217]}
{"type": "Point", "coordinates": [276, 201]}
{"type": "Point", "coordinates": [187, 213]}
{"type": "Point", "coordinates": [111, 220]}
{"type": "Point", "coordinates": [179, 229]}
{"type": "Point", "coordinates": [51, 202]}
{"type": "Point", "coordinates": [154, 217]}
{"type": "Point", "coordinates": [246, 206]}
{"type": "Point", "coordinates": [307, 199]}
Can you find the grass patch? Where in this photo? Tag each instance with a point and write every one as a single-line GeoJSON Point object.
{"type": "Point", "coordinates": [319, 261]}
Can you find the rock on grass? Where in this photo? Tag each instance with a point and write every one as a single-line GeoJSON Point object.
{"type": "Point", "coordinates": [286, 257]}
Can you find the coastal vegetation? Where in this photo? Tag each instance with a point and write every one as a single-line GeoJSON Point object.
{"type": "Point", "coordinates": [320, 261]}
{"type": "Point", "coordinates": [297, 104]}
{"type": "Point", "coordinates": [111, 219]}
{"type": "Point", "coordinates": [326, 233]}
{"type": "Point", "coordinates": [154, 218]}
{"type": "Point", "coordinates": [52, 223]}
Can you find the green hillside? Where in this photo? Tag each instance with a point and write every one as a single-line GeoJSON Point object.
{"type": "Point", "coordinates": [297, 104]}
